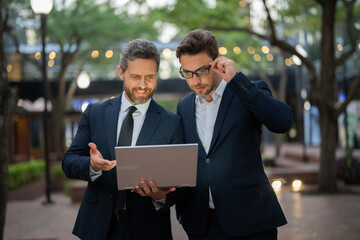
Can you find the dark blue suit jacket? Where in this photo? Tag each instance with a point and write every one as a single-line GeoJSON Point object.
{"type": "Point", "coordinates": [244, 199]}
{"type": "Point", "coordinates": [98, 124]}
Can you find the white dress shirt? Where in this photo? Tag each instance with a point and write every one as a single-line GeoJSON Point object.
{"type": "Point", "coordinates": [138, 116]}
{"type": "Point", "coordinates": [205, 115]}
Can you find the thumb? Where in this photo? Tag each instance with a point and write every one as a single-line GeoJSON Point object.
{"type": "Point", "coordinates": [93, 148]}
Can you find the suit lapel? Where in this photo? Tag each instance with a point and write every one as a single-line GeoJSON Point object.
{"type": "Point", "coordinates": [150, 124]}
{"type": "Point", "coordinates": [224, 105]}
{"type": "Point", "coordinates": [111, 121]}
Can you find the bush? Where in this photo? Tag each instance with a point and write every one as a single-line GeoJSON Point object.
{"type": "Point", "coordinates": [56, 172]}
{"type": "Point", "coordinates": [348, 168]}
{"type": "Point", "coordinates": [21, 174]}
{"type": "Point", "coordinates": [169, 105]}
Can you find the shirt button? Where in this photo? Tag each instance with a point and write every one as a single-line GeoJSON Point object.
{"type": "Point", "coordinates": [207, 160]}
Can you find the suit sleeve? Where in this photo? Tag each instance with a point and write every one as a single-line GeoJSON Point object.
{"type": "Point", "coordinates": [257, 98]}
{"type": "Point", "coordinates": [76, 160]}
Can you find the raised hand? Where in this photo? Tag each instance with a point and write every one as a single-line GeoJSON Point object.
{"type": "Point", "coordinates": [97, 162]}
{"type": "Point", "coordinates": [224, 67]}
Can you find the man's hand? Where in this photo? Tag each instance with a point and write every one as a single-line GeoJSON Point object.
{"type": "Point", "coordinates": [97, 162]}
{"type": "Point", "coordinates": [224, 67]}
{"type": "Point", "coordinates": [151, 190]}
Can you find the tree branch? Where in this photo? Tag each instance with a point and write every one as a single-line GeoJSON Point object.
{"type": "Point", "coordinates": [270, 22]}
{"type": "Point", "coordinates": [321, 2]}
{"type": "Point", "coordinates": [354, 88]}
{"type": "Point", "coordinates": [285, 47]}
{"type": "Point", "coordinates": [17, 49]}
{"type": "Point", "coordinates": [4, 23]}
{"type": "Point", "coordinates": [239, 29]}
{"type": "Point", "coordinates": [350, 31]}
{"type": "Point", "coordinates": [263, 77]}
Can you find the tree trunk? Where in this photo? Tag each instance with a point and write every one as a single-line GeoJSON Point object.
{"type": "Point", "coordinates": [6, 109]}
{"type": "Point", "coordinates": [59, 111]}
{"type": "Point", "coordinates": [328, 120]}
{"type": "Point", "coordinates": [279, 138]}
{"type": "Point", "coordinates": [328, 176]}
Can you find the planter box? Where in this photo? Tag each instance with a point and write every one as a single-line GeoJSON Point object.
{"type": "Point", "coordinates": [76, 190]}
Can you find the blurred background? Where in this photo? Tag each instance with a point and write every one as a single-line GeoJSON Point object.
{"type": "Point", "coordinates": [57, 56]}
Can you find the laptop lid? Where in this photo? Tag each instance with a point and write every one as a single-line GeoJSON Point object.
{"type": "Point", "coordinates": [172, 165]}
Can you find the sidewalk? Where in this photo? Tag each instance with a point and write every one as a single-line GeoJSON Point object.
{"type": "Point", "coordinates": [311, 216]}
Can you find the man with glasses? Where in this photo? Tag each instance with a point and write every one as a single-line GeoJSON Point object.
{"type": "Point", "coordinates": [233, 198]}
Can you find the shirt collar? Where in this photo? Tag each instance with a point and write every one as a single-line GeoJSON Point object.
{"type": "Point", "coordinates": [219, 91]}
{"type": "Point", "coordinates": [142, 108]}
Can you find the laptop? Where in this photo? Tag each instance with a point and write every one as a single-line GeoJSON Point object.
{"type": "Point", "coordinates": [172, 165]}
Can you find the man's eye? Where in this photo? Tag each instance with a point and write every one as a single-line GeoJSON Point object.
{"type": "Point", "coordinates": [201, 71]}
{"type": "Point", "coordinates": [187, 73]}
{"type": "Point", "coordinates": [151, 77]}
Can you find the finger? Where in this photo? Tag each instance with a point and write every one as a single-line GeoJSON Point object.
{"type": "Point", "coordinates": [221, 65]}
{"type": "Point", "coordinates": [167, 190]}
{"type": "Point", "coordinates": [153, 186]}
{"type": "Point", "coordinates": [214, 63]}
{"type": "Point", "coordinates": [93, 148]}
{"type": "Point", "coordinates": [218, 71]}
{"type": "Point", "coordinates": [112, 163]}
{"type": "Point", "coordinates": [217, 66]}
{"type": "Point", "coordinates": [216, 59]}
{"type": "Point", "coordinates": [145, 187]}
{"type": "Point", "coordinates": [139, 190]}
{"type": "Point", "coordinates": [107, 165]}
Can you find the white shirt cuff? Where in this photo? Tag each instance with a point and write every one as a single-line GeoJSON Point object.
{"type": "Point", "coordinates": [93, 174]}
{"type": "Point", "coordinates": [159, 204]}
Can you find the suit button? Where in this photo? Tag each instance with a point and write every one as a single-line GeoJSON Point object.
{"type": "Point", "coordinates": [207, 160]}
{"type": "Point", "coordinates": [111, 197]}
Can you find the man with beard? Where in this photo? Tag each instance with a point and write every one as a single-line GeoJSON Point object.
{"type": "Point", "coordinates": [233, 198]}
{"type": "Point", "coordinates": [105, 212]}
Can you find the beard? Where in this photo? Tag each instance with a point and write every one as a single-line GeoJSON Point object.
{"type": "Point", "coordinates": [131, 93]}
{"type": "Point", "coordinates": [208, 88]}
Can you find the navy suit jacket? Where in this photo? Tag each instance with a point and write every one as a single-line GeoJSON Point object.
{"type": "Point", "coordinates": [244, 199]}
{"type": "Point", "coordinates": [98, 124]}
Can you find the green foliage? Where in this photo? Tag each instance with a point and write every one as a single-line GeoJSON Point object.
{"type": "Point", "coordinates": [170, 105]}
{"type": "Point", "coordinates": [188, 15]}
{"type": "Point", "coordinates": [94, 25]}
{"type": "Point", "coordinates": [294, 20]}
{"type": "Point", "coordinates": [23, 173]}
{"type": "Point", "coordinates": [56, 172]}
{"type": "Point", "coordinates": [349, 168]}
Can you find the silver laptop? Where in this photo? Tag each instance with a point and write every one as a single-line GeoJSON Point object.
{"type": "Point", "coordinates": [172, 165]}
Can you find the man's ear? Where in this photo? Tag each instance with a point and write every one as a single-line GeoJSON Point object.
{"type": "Point", "coordinates": [121, 73]}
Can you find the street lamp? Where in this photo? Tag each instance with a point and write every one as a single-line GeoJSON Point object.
{"type": "Point", "coordinates": [43, 7]}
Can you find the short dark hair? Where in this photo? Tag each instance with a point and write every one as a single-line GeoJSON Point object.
{"type": "Point", "coordinates": [198, 41]}
{"type": "Point", "coordinates": [139, 48]}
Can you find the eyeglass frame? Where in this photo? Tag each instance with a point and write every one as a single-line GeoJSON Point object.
{"type": "Point", "coordinates": [181, 71]}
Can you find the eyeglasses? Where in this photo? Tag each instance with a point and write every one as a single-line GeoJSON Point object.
{"type": "Point", "coordinates": [202, 72]}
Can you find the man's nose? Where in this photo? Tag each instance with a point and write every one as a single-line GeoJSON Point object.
{"type": "Point", "coordinates": [196, 79]}
{"type": "Point", "coordinates": [142, 83]}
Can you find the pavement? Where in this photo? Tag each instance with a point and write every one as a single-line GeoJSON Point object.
{"type": "Point", "coordinates": [310, 215]}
